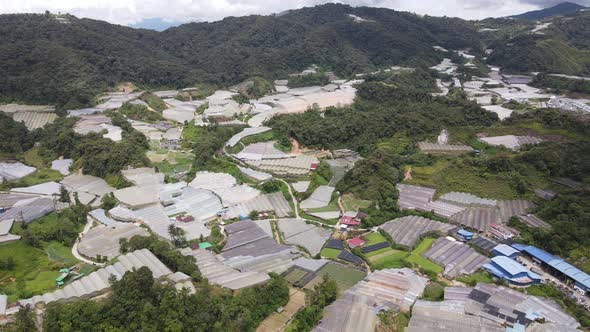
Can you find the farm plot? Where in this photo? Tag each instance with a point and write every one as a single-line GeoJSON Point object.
{"type": "Point", "coordinates": [407, 230]}
{"type": "Point", "coordinates": [344, 276]}
{"type": "Point", "coordinates": [457, 258]}
{"type": "Point", "coordinates": [309, 236]}
{"type": "Point", "coordinates": [415, 257]}
{"type": "Point", "coordinates": [477, 218]}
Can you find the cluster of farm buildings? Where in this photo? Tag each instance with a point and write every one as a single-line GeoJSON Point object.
{"type": "Point", "coordinates": [266, 232]}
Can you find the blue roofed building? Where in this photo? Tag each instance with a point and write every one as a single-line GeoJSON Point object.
{"type": "Point", "coordinates": [465, 235]}
{"type": "Point", "coordinates": [558, 267]}
{"type": "Point", "coordinates": [505, 250]}
{"type": "Point", "coordinates": [510, 270]}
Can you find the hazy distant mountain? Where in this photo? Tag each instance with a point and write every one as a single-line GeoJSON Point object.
{"type": "Point", "coordinates": [563, 8]}
{"type": "Point", "coordinates": [155, 23]}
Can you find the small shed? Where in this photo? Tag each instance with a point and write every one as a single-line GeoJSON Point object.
{"type": "Point", "coordinates": [465, 235]}
{"type": "Point", "coordinates": [350, 221]}
{"type": "Point", "coordinates": [355, 242]}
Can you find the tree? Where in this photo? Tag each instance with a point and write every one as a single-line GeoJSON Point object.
{"type": "Point", "coordinates": [64, 196]}
{"type": "Point", "coordinates": [108, 201]}
{"type": "Point", "coordinates": [24, 320]}
{"type": "Point", "coordinates": [178, 236]}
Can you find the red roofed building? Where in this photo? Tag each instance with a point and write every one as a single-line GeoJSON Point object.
{"type": "Point", "coordinates": [350, 221]}
{"type": "Point", "coordinates": [314, 166]}
{"type": "Point", "coordinates": [355, 242]}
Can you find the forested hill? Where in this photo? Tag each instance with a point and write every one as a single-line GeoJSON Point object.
{"type": "Point", "coordinates": [45, 61]}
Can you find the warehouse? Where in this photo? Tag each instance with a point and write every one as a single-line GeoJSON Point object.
{"type": "Point", "coordinates": [489, 308]}
{"type": "Point", "coordinates": [62, 165]}
{"type": "Point", "coordinates": [443, 148]}
{"type": "Point", "coordinates": [260, 151]}
{"type": "Point", "coordinates": [274, 202]}
{"type": "Point", "coordinates": [218, 273]}
{"type": "Point", "coordinates": [533, 221]}
{"type": "Point", "coordinates": [510, 141]}
{"type": "Point", "coordinates": [144, 176]}
{"type": "Point", "coordinates": [42, 189]}
{"type": "Point", "coordinates": [505, 250]}
{"type": "Point", "coordinates": [477, 218]}
{"type": "Point", "coordinates": [291, 165]}
{"type": "Point", "coordinates": [420, 199]}
{"type": "Point", "coordinates": [104, 241]}
{"type": "Point", "coordinates": [514, 273]}
{"type": "Point", "coordinates": [97, 124]}
{"type": "Point", "coordinates": [97, 282]}
{"type": "Point", "coordinates": [467, 199]}
{"type": "Point", "coordinates": [407, 230]}
{"type": "Point", "coordinates": [557, 266]}
{"type": "Point", "coordinates": [29, 209]}
{"type": "Point", "coordinates": [456, 257]}
{"type": "Point", "coordinates": [14, 171]}
{"type": "Point", "coordinates": [245, 133]}
{"type": "Point", "coordinates": [448, 316]}
{"type": "Point", "coordinates": [321, 197]}
{"type": "Point", "coordinates": [255, 175]}
{"type": "Point", "coordinates": [34, 120]}
{"type": "Point", "coordinates": [250, 248]}
{"type": "Point", "coordinates": [356, 311]}
{"type": "Point", "coordinates": [309, 236]}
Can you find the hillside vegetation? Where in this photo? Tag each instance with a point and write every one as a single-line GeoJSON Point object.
{"type": "Point", "coordinates": [45, 61]}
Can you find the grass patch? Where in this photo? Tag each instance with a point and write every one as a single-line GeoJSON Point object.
{"type": "Point", "coordinates": [344, 276]}
{"type": "Point", "coordinates": [379, 252]}
{"type": "Point", "coordinates": [434, 292]}
{"type": "Point", "coordinates": [354, 204]}
{"type": "Point", "coordinates": [571, 307]}
{"type": "Point", "coordinates": [330, 253]}
{"type": "Point", "coordinates": [374, 238]}
{"type": "Point", "coordinates": [35, 269]}
{"type": "Point", "coordinates": [415, 257]}
{"type": "Point", "coordinates": [32, 158]}
{"type": "Point", "coordinates": [474, 279]}
{"type": "Point", "coordinates": [37, 177]}
{"type": "Point", "coordinates": [332, 206]}
{"type": "Point", "coordinates": [395, 260]}
{"type": "Point", "coordinates": [447, 176]}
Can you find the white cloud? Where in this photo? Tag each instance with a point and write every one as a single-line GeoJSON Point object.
{"type": "Point", "coordinates": [133, 11]}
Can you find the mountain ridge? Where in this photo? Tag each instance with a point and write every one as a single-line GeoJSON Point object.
{"type": "Point", "coordinates": [563, 8]}
{"type": "Point", "coordinates": [49, 61]}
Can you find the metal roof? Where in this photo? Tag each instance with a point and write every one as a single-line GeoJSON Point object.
{"type": "Point", "coordinates": [559, 264]}
{"type": "Point", "coordinates": [511, 266]}
{"type": "Point", "coordinates": [505, 250]}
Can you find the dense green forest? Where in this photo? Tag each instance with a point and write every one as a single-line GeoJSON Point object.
{"type": "Point", "coordinates": [97, 155]}
{"type": "Point", "coordinates": [140, 303]}
{"type": "Point", "coordinates": [45, 61]}
{"type": "Point", "coordinates": [561, 84]}
{"type": "Point", "coordinates": [540, 53]}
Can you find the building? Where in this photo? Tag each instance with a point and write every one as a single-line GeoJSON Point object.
{"type": "Point", "coordinates": [349, 221]}
{"type": "Point", "coordinates": [501, 232]}
{"type": "Point", "coordinates": [465, 235]}
{"type": "Point", "coordinates": [557, 266]}
{"type": "Point", "coordinates": [510, 270]}
{"type": "Point", "coordinates": [506, 251]}
{"type": "Point", "coordinates": [355, 242]}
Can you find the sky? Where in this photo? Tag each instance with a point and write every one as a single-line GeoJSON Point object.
{"type": "Point", "coordinates": [130, 12]}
